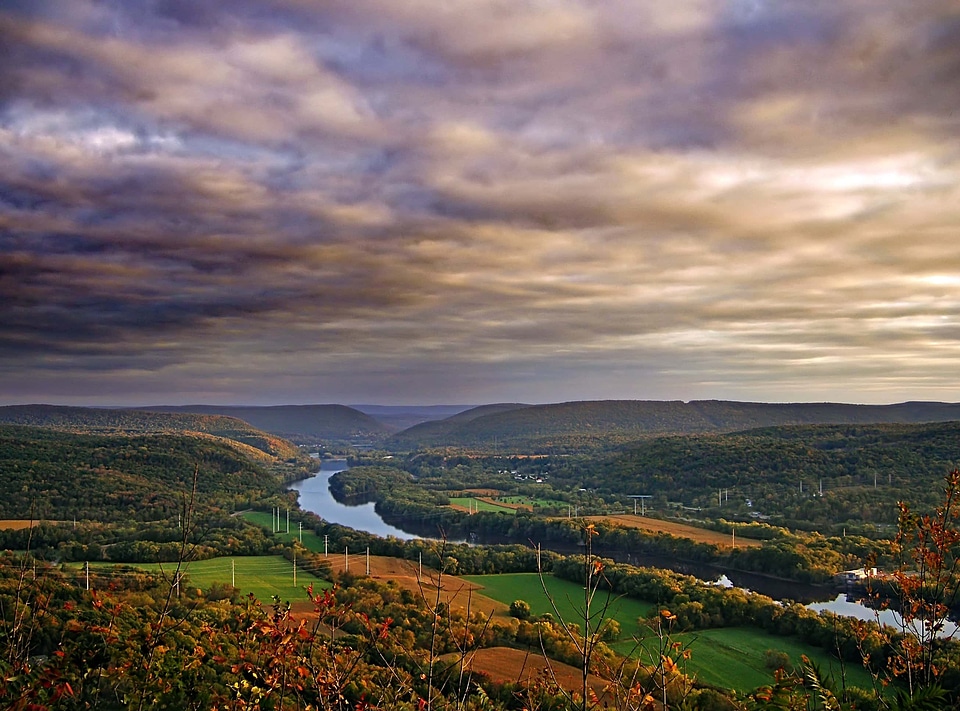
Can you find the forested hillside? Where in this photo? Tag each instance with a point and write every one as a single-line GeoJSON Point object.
{"type": "Point", "coordinates": [861, 470]}
{"type": "Point", "coordinates": [304, 424]}
{"type": "Point", "coordinates": [55, 475]}
{"type": "Point", "coordinates": [448, 431]}
{"type": "Point", "coordinates": [102, 420]}
{"type": "Point", "coordinates": [573, 425]}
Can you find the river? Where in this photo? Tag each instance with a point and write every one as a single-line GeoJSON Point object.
{"type": "Point", "coordinates": [315, 496]}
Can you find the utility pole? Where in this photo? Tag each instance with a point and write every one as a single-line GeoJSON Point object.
{"type": "Point", "coordinates": [325, 537]}
{"type": "Point", "coordinates": [368, 560]}
{"type": "Point", "coordinates": [301, 531]}
{"type": "Point", "coordinates": [346, 560]}
{"type": "Point", "coordinates": [294, 568]}
{"type": "Point", "coordinates": [233, 573]}
{"type": "Point", "coordinates": [88, 575]}
{"type": "Point", "coordinates": [643, 503]}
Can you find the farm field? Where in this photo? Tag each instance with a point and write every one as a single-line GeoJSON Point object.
{"type": "Point", "coordinates": [470, 503]}
{"type": "Point", "coordinates": [405, 573]}
{"type": "Point", "coordinates": [18, 523]}
{"type": "Point", "coordinates": [311, 541]}
{"type": "Point", "coordinates": [733, 657]}
{"type": "Point", "coordinates": [264, 576]}
{"type": "Point", "coordinates": [533, 502]}
{"type": "Point", "coordinates": [568, 596]}
{"type": "Point", "coordinates": [506, 664]}
{"type": "Point", "coordinates": [727, 657]}
{"type": "Point", "coordinates": [502, 504]}
{"type": "Point", "coordinates": [675, 528]}
{"type": "Point", "coordinates": [456, 592]}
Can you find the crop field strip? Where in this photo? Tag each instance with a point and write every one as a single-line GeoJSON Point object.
{"type": "Point", "coordinates": [264, 576]}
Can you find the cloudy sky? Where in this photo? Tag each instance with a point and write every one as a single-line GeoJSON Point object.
{"type": "Point", "coordinates": [422, 201]}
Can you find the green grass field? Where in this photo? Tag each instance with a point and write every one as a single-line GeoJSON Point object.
{"type": "Point", "coordinates": [567, 596]}
{"type": "Point", "coordinates": [264, 576]}
{"type": "Point", "coordinates": [730, 657]}
{"type": "Point", "coordinates": [733, 657]}
{"type": "Point", "coordinates": [311, 541]}
{"type": "Point", "coordinates": [468, 502]}
{"type": "Point", "coordinates": [530, 501]}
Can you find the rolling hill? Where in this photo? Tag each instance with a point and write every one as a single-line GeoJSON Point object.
{"type": "Point", "coordinates": [55, 474]}
{"type": "Point", "coordinates": [401, 417]}
{"type": "Point", "coordinates": [108, 421]}
{"type": "Point", "coordinates": [564, 426]}
{"type": "Point", "coordinates": [303, 424]}
{"type": "Point", "coordinates": [816, 474]}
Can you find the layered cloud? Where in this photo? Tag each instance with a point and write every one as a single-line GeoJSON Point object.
{"type": "Point", "coordinates": [476, 201]}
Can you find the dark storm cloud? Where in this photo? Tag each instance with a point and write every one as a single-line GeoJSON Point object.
{"type": "Point", "coordinates": [482, 200]}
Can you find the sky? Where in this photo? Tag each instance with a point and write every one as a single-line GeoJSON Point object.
{"type": "Point", "coordinates": [472, 201]}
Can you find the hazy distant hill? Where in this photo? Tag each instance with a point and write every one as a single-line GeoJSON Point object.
{"type": "Point", "coordinates": [304, 424]}
{"type": "Point", "coordinates": [401, 417]}
{"type": "Point", "coordinates": [102, 420]}
{"type": "Point", "coordinates": [573, 424]}
{"type": "Point", "coordinates": [452, 430]}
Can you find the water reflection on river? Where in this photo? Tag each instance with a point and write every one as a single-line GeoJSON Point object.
{"type": "Point", "coordinates": [848, 606]}
{"type": "Point", "coordinates": [315, 496]}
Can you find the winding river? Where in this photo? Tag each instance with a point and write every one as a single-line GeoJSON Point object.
{"type": "Point", "coordinates": [315, 496]}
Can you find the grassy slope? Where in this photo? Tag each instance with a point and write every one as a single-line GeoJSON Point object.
{"type": "Point", "coordinates": [475, 504]}
{"type": "Point", "coordinates": [729, 657]}
{"type": "Point", "coordinates": [567, 596]}
{"type": "Point", "coordinates": [733, 657]}
{"type": "Point", "coordinates": [264, 576]}
{"type": "Point", "coordinates": [310, 540]}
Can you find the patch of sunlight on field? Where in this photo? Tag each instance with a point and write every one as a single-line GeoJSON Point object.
{"type": "Point", "coordinates": [473, 504]}
{"type": "Point", "coordinates": [567, 597]}
{"type": "Point", "coordinates": [734, 657]}
{"type": "Point", "coordinates": [310, 540]}
{"type": "Point", "coordinates": [264, 576]}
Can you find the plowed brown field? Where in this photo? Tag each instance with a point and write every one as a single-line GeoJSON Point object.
{"type": "Point", "coordinates": [16, 523]}
{"type": "Point", "coordinates": [455, 592]}
{"type": "Point", "coordinates": [505, 664]}
{"type": "Point", "coordinates": [675, 528]}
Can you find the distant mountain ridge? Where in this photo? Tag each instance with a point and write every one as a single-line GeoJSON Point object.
{"type": "Point", "coordinates": [565, 425]}
{"type": "Point", "coordinates": [106, 420]}
{"type": "Point", "coordinates": [401, 417]}
{"type": "Point", "coordinates": [507, 426]}
{"type": "Point", "coordinates": [303, 424]}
